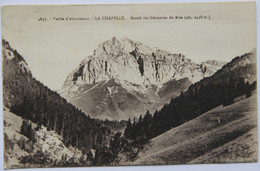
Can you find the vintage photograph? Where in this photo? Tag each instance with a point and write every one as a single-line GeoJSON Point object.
{"type": "Point", "coordinates": [129, 84]}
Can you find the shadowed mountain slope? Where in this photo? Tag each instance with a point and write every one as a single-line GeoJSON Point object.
{"type": "Point", "coordinates": [124, 78]}
{"type": "Point", "coordinates": [221, 135]}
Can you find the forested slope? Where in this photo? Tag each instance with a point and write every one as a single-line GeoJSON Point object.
{"type": "Point", "coordinates": [32, 100]}
{"type": "Point", "coordinates": [236, 78]}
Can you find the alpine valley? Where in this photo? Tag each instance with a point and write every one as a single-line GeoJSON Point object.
{"type": "Point", "coordinates": [123, 79]}
{"type": "Point", "coordinates": [129, 104]}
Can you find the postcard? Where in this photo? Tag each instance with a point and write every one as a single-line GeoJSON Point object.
{"type": "Point", "coordinates": [129, 84]}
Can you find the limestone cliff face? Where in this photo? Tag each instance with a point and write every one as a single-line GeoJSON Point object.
{"type": "Point", "coordinates": [137, 68]}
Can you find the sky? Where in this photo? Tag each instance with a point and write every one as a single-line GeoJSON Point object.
{"type": "Point", "coordinates": [53, 49]}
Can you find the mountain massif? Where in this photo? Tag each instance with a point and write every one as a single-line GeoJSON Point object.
{"type": "Point", "coordinates": [213, 121]}
{"type": "Point", "coordinates": [123, 79]}
{"type": "Point", "coordinates": [194, 113]}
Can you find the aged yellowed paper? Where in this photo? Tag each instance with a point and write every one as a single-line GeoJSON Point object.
{"type": "Point", "coordinates": [132, 84]}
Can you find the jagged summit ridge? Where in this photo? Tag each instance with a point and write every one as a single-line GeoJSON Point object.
{"type": "Point", "coordinates": [124, 78]}
{"type": "Point", "coordinates": [128, 60]}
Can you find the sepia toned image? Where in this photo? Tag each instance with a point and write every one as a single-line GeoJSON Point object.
{"type": "Point", "coordinates": [129, 84]}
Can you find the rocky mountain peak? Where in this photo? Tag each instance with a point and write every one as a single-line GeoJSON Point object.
{"type": "Point", "coordinates": [118, 47]}
{"type": "Point", "coordinates": [127, 60]}
{"type": "Point", "coordinates": [124, 78]}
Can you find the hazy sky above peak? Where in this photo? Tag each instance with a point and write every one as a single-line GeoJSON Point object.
{"type": "Point", "coordinates": [53, 49]}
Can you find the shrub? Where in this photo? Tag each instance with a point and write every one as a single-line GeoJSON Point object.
{"type": "Point", "coordinates": [25, 145]}
{"type": "Point", "coordinates": [27, 130]}
{"type": "Point", "coordinates": [9, 145]}
{"type": "Point", "coordinates": [38, 158]}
